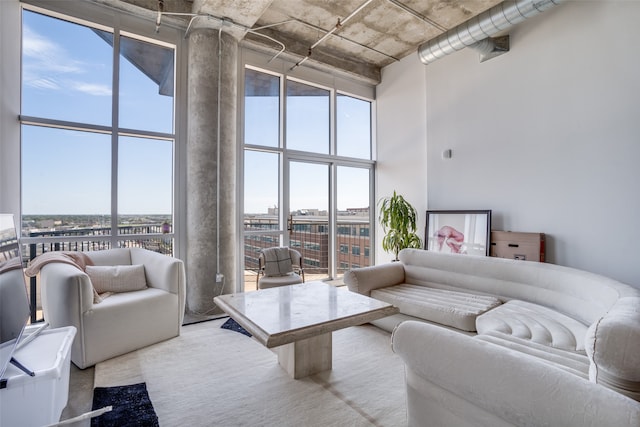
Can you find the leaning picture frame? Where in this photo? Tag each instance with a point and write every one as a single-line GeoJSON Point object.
{"type": "Point", "coordinates": [458, 231]}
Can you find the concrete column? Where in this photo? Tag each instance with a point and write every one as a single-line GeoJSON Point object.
{"type": "Point", "coordinates": [202, 168]}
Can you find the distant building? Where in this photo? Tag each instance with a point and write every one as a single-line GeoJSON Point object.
{"type": "Point", "coordinates": [309, 234]}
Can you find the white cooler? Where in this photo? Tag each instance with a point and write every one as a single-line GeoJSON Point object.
{"type": "Point", "coordinates": [38, 400]}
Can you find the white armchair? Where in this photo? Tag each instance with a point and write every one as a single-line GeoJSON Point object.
{"type": "Point", "coordinates": [124, 321]}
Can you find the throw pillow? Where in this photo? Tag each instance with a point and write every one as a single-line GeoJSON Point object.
{"type": "Point", "coordinates": [277, 262]}
{"type": "Point", "coordinates": [117, 278]}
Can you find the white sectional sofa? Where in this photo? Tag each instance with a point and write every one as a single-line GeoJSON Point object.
{"type": "Point", "coordinates": [491, 341]}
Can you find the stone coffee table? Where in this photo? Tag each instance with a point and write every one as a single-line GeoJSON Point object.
{"type": "Point", "coordinates": [298, 320]}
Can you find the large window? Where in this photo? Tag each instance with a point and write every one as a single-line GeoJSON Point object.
{"type": "Point", "coordinates": [67, 70]}
{"type": "Point", "coordinates": [98, 137]}
{"type": "Point", "coordinates": [261, 167]}
{"type": "Point", "coordinates": [308, 173]}
{"type": "Point", "coordinates": [353, 126]}
{"type": "Point", "coordinates": [262, 109]}
{"type": "Point", "coordinates": [307, 118]}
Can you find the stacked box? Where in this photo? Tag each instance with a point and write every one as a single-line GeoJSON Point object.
{"type": "Point", "coordinates": [516, 245]}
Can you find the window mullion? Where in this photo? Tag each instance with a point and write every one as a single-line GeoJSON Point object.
{"type": "Point", "coordinates": [115, 98]}
{"type": "Point", "coordinates": [283, 171]}
{"type": "Point", "coordinates": [333, 147]}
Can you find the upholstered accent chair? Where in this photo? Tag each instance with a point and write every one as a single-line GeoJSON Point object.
{"type": "Point", "coordinates": [279, 266]}
{"type": "Point", "coordinates": [141, 301]}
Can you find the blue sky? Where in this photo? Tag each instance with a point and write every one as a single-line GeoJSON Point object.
{"type": "Point", "coordinates": [68, 75]}
{"type": "Point", "coordinates": [307, 129]}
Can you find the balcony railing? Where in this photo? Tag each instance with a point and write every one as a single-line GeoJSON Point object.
{"type": "Point", "coordinates": [310, 236]}
{"type": "Point", "coordinates": [147, 236]}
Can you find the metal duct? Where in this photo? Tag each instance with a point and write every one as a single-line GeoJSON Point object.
{"type": "Point", "coordinates": [488, 23]}
{"type": "Point", "coordinates": [491, 47]}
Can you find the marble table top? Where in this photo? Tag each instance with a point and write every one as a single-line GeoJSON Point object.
{"type": "Point", "coordinates": [282, 315]}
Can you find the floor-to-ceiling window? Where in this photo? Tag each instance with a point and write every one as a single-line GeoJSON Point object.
{"type": "Point", "coordinates": [308, 173]}
{"type": "Point", "coordinates": [98, 153]}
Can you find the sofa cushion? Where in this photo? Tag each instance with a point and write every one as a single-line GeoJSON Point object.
{"type": "Point", "coordinates": [115, 256]}
{"type": "Point", "coordinates": [276, 281]}
{"type": "Point", "coordinates": [117, 278]}
{"type": "Point", "coordinates": [579, 294]}
{"type": "Point", "coordinates": [277, 261]}
{"type": "Point", "coordinates": [570, 361]}
{"type": "Point", "coordinates": [450, 308]}
{"type": "Point", "coordinates": [534, 323]}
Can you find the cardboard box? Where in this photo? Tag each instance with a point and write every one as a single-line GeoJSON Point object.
{"type": "Point", "coordinates": [38, 400]}
{"type": "Point", "coordinates": [516, 245]}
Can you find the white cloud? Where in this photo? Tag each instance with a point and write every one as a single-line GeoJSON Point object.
{"type": "Point", "coordinates": [91, 88]}
{"type": "Point", "coordinates": [46, 55]}
{"type": "Point", "coordinates": [47, 65]}
{"type": "Point", "coordinates": [44, 83]}
{"type": "Point", "coordinates": [34, 45]}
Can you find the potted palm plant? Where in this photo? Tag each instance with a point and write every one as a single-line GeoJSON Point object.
{"type": "Point", "coordinates": [398, 220]}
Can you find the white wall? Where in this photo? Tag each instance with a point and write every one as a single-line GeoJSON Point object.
{"type": "Point", "coordinates": [547, 135]}
{"type": "Point", "coordinates": [401, 139]}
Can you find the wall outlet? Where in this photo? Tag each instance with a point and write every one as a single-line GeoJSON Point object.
{"type": "Point", "coordinates": [219, 278]}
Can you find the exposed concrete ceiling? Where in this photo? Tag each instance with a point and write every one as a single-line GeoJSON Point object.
{"type": "Point", "coordinates": [357, 37]}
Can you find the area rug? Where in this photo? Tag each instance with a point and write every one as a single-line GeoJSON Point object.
{"type": "Point", "coordinates": [234, 326]}
{"type": "Point", "coordinates": [209, 376]}
{"type": "Point", "coordinates": [131, 407]}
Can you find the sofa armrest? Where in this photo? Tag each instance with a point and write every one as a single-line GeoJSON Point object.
{"type": "Point", "coordinates": [162, 271]}
{"type": "Point", "coordinates": [364, 280]}
{"type": "Point", "coordinates": [66, 293]}
{"type": "Point", "coordinates": [486, 384]}
{"type": "Point", "coordinates": [613, 347]}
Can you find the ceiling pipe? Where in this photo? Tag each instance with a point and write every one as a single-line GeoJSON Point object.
{"type": "Point", "coordinates": [489, 23]}
{"type": "Point", "coordinates": [220, 23]}
{"type": "Point", "coordinates": [417, 15]}
{"type": "Point", "coordinates": [333, 30]}
{"type": "Point", "coordinates": [322, 30]}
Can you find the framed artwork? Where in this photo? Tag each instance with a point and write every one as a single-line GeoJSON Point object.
{"type": "Point", "coordinates": [458, 232]}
